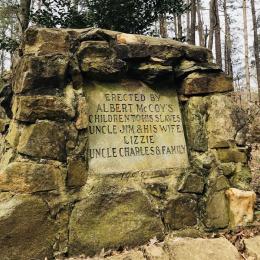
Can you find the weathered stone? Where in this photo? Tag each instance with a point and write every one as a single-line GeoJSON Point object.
{"type": "Point", "coordinates": [43, 41]}
{"type": "Point", "coordinates": [77, 172]}
{"type": "Point", "coordinates": [138, 46]}
{"type": "Point", "coordinates": [201, 249]}
{"type": "Point", "coordinates": [44, 139]}
{"type": "Point", "coordinates": [31, 108]}
{"type": "Point", "coordinates": [26, 229]}
{"type": "Point", "coordinates": [216, 211]}
{"type": "Point", "coordinates": [192, 183]}
{"type": "Point", "coordinates": [127, 216]}
{"type": "Point", "coordinates": [82, 109]}
{"type": "Point", "coordinates": [195, 118]}
{"type": "Point", "coordinates": [4, 123]}
{"type": "Point", "coordinates": [157, 189]}
{"type": "Point", "coordinates": [152, 73]}
{"type": "Point", "coordinates": [241, 206]}
{"type": "Point", "coordinates": [227, 168]}
{"type": "Point", "coordinates": [217, 181]}
{"type": "Point", "coordinates": [187, 67]}
{"type": "Point", "coordinates": [231, 155]}
{"type": "Point", "coordinates": [252, 246]}
{"type": "Point", "coordinates": [155, 252]}
{"type": "Point", "coordinates": [14, 133]}
{"type": "Point", "coordinates": [220, 127]}
{"type": "Point", "coordinates": [203, 161]}
{"type": "Point", "coordinates": [96, 61]}
{"type": "Point", "coordinates": [201, 83]}
{"type": "Point", "coordinates": [129, 255]}
{"type": "Point", "coordinates": [31, 177]}
{"type": "Point", "coordinates": [40, 72]}
{"type": "Point", "coordinates": [181, 212]}
{"type": "Point", "coordinates": [242, 177]}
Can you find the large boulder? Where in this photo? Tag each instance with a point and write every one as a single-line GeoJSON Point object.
{"type": "Point", "coordinates": [30, 177]}
{"type": "Point", "coordinates": [41, 72]}
{"type": "Point", "coordinates": [26, 228]}
{"type": "Point", "coordinates": [203, 83]}
{"type": "Point", "coordinates": [112, 221]}
{"type": "Point", "coordinates": [45, 139]}
{"type": "Point", "coordinates": [201, 249]}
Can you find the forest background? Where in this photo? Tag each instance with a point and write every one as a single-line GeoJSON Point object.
{"type": "Point", "coordinates": [230, 28]}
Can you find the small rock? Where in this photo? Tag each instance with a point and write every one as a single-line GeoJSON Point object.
{"type": "Point", "coordinates": [241, 206]}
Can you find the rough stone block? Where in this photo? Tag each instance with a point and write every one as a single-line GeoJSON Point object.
{"type": "Point", "coordinates": [231, 155]}
{"type": "Point", "coordinates": [77, 172]}
{"type": "Point", "coordinates": [82, 110]}
{"type": "Point", "coordinates": [111, 221]}
{"type": "Point", "coordinates": [40, 72]}
{"type": "Point", "coordinates": [242, 177]}
{"type": "Point", "coordinates": [29, 177]}
{"type": "Point", "coordinates": [97, 62]}
{"type": "Point", "coordinates": [152, 73]}
{"type": "Point", "coordinates": [192, 183]}
{"type": "Point", "coordinates": [195, 121]}
{"type": "Point", "coordinates": [155, 252]}
{"type": "Point", "coordinates": [216, 211]}
{"type": "Point", "coordinates": [43, 41]}
{"type": "Point", "coordinates": [241, 206]}
{"type": "Point", "coordinates": [204, 83]}
{"type": "Point", "coordinates": [220, 125]}
{"type": "Point", "coordinates": [129, 255]}
{"type": "Point", "coordinates": [26, 229]}
{"type": "Point", "coordinates": [187, 67]}
{"type": "Point", "coordinates": [181, 212]}
{"type": "Point", "coordinates": [252, 246]}
{"type": "Point", "coordinates": [31, 108]}
{"type": "Point", "coordinates": [45, 139]}
{"type": "Point", "coordinates": [202, 249]}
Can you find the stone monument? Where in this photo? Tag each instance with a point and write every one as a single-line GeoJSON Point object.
{"type": "Point", "coordinates": [110, 139]}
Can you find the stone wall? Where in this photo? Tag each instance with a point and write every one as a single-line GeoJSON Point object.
{"type": "Point", "coordinates": [52, 204]}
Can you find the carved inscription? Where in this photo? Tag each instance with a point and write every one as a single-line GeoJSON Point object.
{"type": "Point", "coordinates": [132, 127]}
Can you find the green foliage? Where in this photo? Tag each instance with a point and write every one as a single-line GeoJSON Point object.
{"type": "Point", "coordinates": [130, 16]}
{"type": "Point", "coordinates": [8, 44]}
{"type": "Point", "coordinates": [8, 25]}
{"type": "Point", "coordinates": [59, 13]}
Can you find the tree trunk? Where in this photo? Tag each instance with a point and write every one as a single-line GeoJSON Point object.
{"type": "Point", "coordinates": [188, 24]}
{"type": "Point", "coordinates": [200, 24]}
{"type": "Point", "coordinates": [212, 23]}
{"type": "Point", "coordinates": [25, 6]}
{"type": "Point", "coordinates": [247, 75]}
{"type": "Point", "coordinates": [228, 43]}
{"type": "Point", "coordinates": [2, 63]}
{"type": "Point", "coordinates": [163, 26]}
{"type": "Point", "coordinates": [193, 22]}
{"type": "Point", "coordinates": [217, 36]}
{"type": "Point", "coordinates": [179, 27]}
{"type": "Point", "coordinates": [256, 47]}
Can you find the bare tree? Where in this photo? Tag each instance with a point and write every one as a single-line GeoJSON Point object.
{"type": "Point", "coordinates": [256, 47]}
{"type": "Point", "coordinates": [188, 23]}
{"type": "Point", "coordinates": [193, 22]}
{"type": "Point", "coordinates": [179, 21]}
{"type": "Point", "coordinates": [247, 74]}
{"type": "Point", "coordinates": [212, 20]}
{"type": "Point", "coordinates": [200, 24]}
{"type": "Point", "coordinates": [163, 26]}
{"type": "Point", "coordinates": [217, 37]}
{"type": "Point", "coordinates": [228, 42]}
{"type": "Point", "coordinates": [25, 6]}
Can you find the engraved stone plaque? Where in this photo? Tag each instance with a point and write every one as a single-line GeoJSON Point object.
{"type": "Point", "coordinates": [134, 128]}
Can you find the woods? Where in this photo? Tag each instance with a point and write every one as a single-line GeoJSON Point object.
{"type": "Point", "coordinates": [230, 29]}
